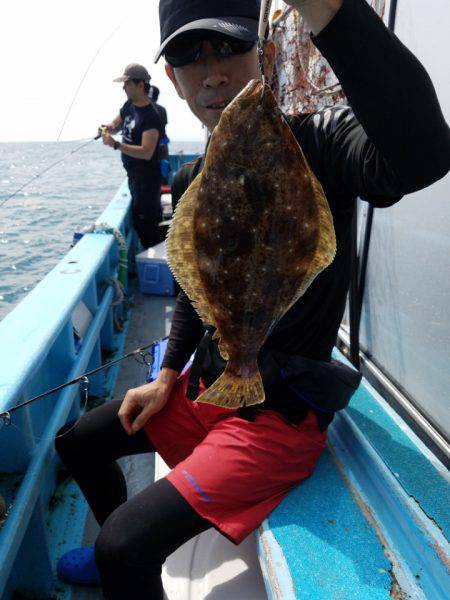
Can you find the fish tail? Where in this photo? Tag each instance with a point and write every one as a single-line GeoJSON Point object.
{"type": "Point", "coordinates": [231, 391]}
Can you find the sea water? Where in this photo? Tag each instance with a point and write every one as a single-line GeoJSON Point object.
{"type": "Point", "coordinates": [36, 226]}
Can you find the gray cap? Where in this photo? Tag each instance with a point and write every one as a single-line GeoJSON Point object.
{"type": "Point", "coordinates": [134, 71]}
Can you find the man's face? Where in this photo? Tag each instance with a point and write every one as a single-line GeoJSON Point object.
{"type": "Point", "coordinates": [132, 90]}
{"type": "Point", "coordinates": [210, 83]}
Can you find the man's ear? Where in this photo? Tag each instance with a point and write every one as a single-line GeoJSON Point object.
{"type": "Point", "coordinates": [171, 75]}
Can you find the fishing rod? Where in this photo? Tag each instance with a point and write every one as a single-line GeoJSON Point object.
{"type": "Point", "coordinates": [83, 145]}
{"type": "Point", "coordinates": [147, 359]}
{"type": "Point", "coordinates": [100, 131]}
{"type": "Point", "coordinates": [100, 48]}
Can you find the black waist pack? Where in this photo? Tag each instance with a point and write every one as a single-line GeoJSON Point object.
{"type": "Point", "coordinates": [208, 364]}
{"type": "Point", "coordinates": [322, 385]}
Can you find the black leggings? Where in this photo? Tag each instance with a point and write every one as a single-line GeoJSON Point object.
{"type": "Point", "coordinates": [138, 534]}
{"type": "Point", "coordinates": [146, 207]}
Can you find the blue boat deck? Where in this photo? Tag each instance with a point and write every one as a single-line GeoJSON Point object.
{"type": "Point", "coordinates": [150, 320]}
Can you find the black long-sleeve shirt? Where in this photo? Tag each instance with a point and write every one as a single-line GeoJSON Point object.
{"type": "Point", "coordinates": [391, 140]}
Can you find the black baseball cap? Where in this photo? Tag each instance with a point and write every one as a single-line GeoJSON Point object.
{"type": "Point", "coordinates": [236, 18]}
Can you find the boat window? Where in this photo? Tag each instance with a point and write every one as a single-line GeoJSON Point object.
{"type": "Point", "coordinates": [405, 321]}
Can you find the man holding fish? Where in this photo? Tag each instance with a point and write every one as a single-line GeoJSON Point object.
{"type": "Point", "coordinates": [260, 244]}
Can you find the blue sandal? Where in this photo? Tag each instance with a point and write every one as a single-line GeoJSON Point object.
{"type": "Point", "coordinates": [78, 567]}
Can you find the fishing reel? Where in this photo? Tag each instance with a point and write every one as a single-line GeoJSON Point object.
{"type": "Point", "coordinates": [101, 131]}
{"type": "Point", "coordinates": [3, 509]}
{"type": "Point", "coordinates": [5, 419]}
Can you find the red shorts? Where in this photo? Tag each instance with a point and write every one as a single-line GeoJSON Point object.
{"type": "Point", "coordinates": [233, 472]}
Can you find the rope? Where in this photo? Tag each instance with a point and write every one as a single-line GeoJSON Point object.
{"type": "Point", "coordinates": [123, 251]}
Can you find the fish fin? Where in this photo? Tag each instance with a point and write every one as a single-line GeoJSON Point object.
{"type": "Point", "coordinates": [326, 245]}
{"type": "Point", "coordinates": [231, 391]}
{"type": "Point", "coordinates": [181, 255]}
{"type": "Point", "coordinates": [223, 351]}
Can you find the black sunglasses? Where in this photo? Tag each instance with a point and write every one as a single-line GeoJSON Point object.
{"type": "Point", "coordinates": [186, 49]}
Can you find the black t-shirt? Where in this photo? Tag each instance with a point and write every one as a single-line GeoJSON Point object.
{"type": "Point", "coordinates": [136, 120]}
{"type": "Point", "coordinates": [387, 144]}
{"type": "Point", "coordinates": [163, 116]}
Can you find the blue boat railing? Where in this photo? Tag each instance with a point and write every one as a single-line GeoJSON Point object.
{"type": "Point", "coordinates": [37, 352]}
{"type": "Point", "coordinates": [177, 160]}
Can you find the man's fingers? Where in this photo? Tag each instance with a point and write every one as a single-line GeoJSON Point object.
{"type": "Point", "coordinates": [127, 412]}
{"type": "Point", "coordinates": [142, 418]}
{"type": "Point", "coordinates": [126, 423]}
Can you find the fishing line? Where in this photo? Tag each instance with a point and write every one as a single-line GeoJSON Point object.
{"type": "Point", "coordinates": [100, 48]}
{"type": "Point", "coordinates": [84, 77]}
{"type": "Point", "coordinates": [144, 358]}
{"type": "Point", "coordinates": [3, 202]}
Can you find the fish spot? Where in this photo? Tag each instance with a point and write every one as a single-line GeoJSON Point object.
{"type": "Point", "coordinates": [217, 220]}
{"type": "Point", "coordinates": [242, 179]}
{"type": "Point", "coordinates": [289, 207]}
{"type": "Point", "coordinates": [306, 225]}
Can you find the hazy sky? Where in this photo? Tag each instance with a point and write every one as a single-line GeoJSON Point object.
{"type": "Point", "coordinates": [45, 48]}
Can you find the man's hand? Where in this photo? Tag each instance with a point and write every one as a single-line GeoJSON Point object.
{"type": "Point", "coordinates": [316, 13]}
{"type": "Point", "coordinates": [108, 139]}
{"type": "Point", "coordinates": [142, 402]}
{"type": "Point", "coordinates": [114, 126]}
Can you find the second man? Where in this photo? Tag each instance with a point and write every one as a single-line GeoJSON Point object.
{"type": "Point", "coordinates": [141, 131]}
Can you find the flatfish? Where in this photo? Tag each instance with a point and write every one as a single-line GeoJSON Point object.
{"type": "Point", "coordinates": [249, 236]}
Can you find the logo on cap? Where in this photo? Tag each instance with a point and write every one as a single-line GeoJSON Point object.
{"type": "Point", "coordinates": [231, 27]}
